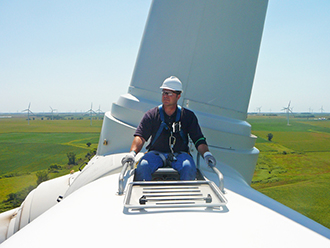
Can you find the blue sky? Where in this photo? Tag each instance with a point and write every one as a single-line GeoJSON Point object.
{"type": "Point", "coordinates": [69, 54]}
{"type": "Point", "coordinates": [294, 58]}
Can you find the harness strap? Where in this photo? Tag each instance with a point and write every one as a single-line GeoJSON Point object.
{"type": "Point", "coordinates": [165, 157]}
{"type": "Point", "coordinates": [163, 124]}
{"type": "Point", "coordinates": [161, 155]}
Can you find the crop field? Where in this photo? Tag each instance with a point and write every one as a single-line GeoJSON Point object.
{"type": "Point", "coordinates": [29, 149]}
{"type": "Point", "coordinates": [293, 168]}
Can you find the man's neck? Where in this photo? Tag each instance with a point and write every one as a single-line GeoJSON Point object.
{"type": "Point", "coordinates": [169, 110]}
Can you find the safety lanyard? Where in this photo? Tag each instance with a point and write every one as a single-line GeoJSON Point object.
{"type": "Point", "coordinates": [176, 128]}
{"type": "Point", "coordinates": [172, 141]}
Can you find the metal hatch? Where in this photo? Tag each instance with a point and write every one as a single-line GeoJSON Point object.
{"type": "Point", "coordinates": [173, 194]}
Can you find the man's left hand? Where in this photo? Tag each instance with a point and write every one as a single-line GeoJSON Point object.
{"type": "Point", "coordinates": [209, 159]}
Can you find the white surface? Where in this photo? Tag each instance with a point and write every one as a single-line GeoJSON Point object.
{"type": "Point", "coordinates": [94, 216]}
{"type": "Point", "coordinates": [211, 46]}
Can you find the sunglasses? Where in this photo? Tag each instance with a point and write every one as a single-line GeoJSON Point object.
{"type": "Point", "coordinates": [168, 93]}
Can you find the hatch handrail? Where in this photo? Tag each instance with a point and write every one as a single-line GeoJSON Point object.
{"type": "Point", "coordinates": [215, 170]}
{"type": "Point", "coordinates": [121, 177]}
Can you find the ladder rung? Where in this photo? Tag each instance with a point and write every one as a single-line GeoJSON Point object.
{"type": "Point", "coordinates": [171, 195]}
{"type": "Point", "coordinates": [170, 191]}
{"type": "Point", "coordinates": [144, 199]}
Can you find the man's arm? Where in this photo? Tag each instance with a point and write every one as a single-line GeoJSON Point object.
{"type": "Point", "coordinates": [137, 144]}
{"type": "Point", "coordinates": [136, 147]}
{"type": "Point", "coordinates": [202, 148]}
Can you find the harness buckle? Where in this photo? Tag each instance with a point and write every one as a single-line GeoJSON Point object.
{"type": "Point", "coordinates": [176, 127]}
{"type": "Point", "coordinates": [171, 157]}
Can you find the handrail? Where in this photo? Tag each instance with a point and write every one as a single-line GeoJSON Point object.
{"type": "Point", "coordinates": [121, 177]}
{"type": "Point", "coordinates": [125, 166]}
{"type": "Point", "coordinates": [215, 170]}
{"type": "Point", "coordinates": [221, 184]}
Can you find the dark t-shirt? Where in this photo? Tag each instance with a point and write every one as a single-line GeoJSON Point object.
{"type": "Point", "coordinates": [151, 122]}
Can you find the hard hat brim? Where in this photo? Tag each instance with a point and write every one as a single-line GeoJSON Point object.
{"type": "Point", "coordinates": [169, 88]}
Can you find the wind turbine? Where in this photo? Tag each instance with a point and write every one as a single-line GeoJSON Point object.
{"type": "Point", "coordinates": [91, 112]}
{"type": "Point", "coordinates": [28, 112]}
{"type": "Point", "coordinates": [52, 112]}
{"type": "Point", "coordinates": [259, 109]}
{"type": "Point", "coordinates": [311, 110]}
{"type": "Point", "coordinates": [288, 111]}
{"type": "Point", "coordinates": [99, 111]}
{"type": "Point", "coordinates": [321, 109]}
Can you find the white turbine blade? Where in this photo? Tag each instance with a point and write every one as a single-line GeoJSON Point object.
{"type": "Point", "coordinates": [291, 111]}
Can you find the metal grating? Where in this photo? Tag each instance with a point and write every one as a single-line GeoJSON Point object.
{"type": "Point", "coordinates": [173, 194]}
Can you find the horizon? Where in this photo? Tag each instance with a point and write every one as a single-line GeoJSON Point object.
{"type": "Point", "coordinates": [103, 112]}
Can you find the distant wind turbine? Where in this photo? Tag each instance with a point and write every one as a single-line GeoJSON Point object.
{"type": "Point", "coordinates": [311, 110]}
{"type": "Point", "coordinates": [259, 109]}
{"type": "Point", "coordinates": [288, 111]}
{"type": "Point", "coordinates": [52, 112]}
{"type": "Point", "coordinates": [28, 112]}
{"type": "Point", "coordinates": [99, 111]}
{"type": "Point", "coordinates": [91, 112]}
{"type": "Point", "coordinates": [321, 109]}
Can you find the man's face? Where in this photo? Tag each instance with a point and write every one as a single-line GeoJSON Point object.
{"type": "Point", "coordinates": [170, 98]}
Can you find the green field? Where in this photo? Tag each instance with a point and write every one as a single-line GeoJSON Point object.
{"type": "Point", "coordinates": [29, 149]}
{"type": "Point", "coordinates": [293, 168]}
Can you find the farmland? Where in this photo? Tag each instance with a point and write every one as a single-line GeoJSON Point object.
{"type": "Point", "coordinates": [29, 149]}
{"type": "Point", "coordinates": [293, 168]}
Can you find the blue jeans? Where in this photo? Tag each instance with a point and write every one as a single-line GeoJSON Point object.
{"type": "Point", "coordinates": [150, 162]}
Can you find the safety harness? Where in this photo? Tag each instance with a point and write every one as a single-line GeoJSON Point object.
{"type": "Point", "coordinates": [176, 127]}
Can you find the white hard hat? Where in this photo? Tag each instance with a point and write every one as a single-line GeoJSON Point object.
{"type": "Point", "coordinates": [172, 83]}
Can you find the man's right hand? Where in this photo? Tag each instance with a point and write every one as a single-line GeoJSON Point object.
{"type": "Point", "coordinates": [130, 158]}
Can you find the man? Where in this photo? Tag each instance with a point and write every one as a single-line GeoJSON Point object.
{"type": "Point", "coordinates": [169, 126]}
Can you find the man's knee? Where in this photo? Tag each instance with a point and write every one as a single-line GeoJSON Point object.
{"type": "Point", "coordinates": [186, 167]}
{"type": "Point", "coordinates": [188, 170]}
{"type": "Point", "coordinates": [142, 172]}
{"type": "Point", "coordinates": [148, 164]}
